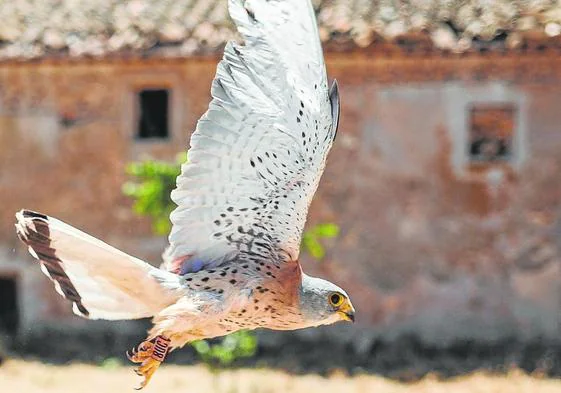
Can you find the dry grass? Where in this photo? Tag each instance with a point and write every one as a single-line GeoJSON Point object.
{"type": "Point", "coordinates": [28, 377]}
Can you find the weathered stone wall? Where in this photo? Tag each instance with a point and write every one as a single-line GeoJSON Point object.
{"type": "Point", "coordinates": [431, 245]}
{"type": "Point", "coordinates": [66, 135]}
{"type": "Point", "coordinates": [428, 245]}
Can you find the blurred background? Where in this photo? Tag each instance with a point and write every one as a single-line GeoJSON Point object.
{"type": "Point", "coordinates": [439, 211]}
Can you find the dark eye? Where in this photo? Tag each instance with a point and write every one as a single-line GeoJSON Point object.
{"type": "Point", "coordinates": [335, 299]}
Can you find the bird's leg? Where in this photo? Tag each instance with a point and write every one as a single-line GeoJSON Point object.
{"type": "Point", "coordinates": [150, 354]}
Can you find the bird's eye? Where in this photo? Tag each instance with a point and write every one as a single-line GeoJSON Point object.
{"type": "Point", "coordinates": [335, 299]}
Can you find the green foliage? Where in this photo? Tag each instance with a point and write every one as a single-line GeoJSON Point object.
{"type": "Point", "coordinates": [110, 364]}
{"type": "Point", "coordinates": [241, 344]}
{"type": "Point", "coordinates": [311, 239]}
{"type": "Point", "coordinates": [150, 190]}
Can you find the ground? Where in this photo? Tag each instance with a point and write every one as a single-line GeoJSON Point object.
{"type": "Point", "coordinates": [31, 377]}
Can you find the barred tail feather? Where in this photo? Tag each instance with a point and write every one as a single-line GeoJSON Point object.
{"type": "Point", "coordinates": [101, 281]}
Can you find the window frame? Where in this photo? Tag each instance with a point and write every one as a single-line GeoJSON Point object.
{"type": "Point", "coordinates": [460, 98]}
{"type": "Point", "coordinates": [138, 80]}
{"type": "Point", "coordinates": [138, 114]}
{"type": "Point", "coordinates": [485, 106]}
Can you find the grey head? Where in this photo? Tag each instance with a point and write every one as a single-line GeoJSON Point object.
{"type": "Point", "coordinates": [324, 303]}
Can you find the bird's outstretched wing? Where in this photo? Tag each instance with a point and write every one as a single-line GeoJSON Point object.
{"type": "Point", "coordinates": [258, 153]}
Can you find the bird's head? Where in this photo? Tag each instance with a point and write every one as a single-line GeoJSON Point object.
{"type": "Point", "coordinates": [324, 303]}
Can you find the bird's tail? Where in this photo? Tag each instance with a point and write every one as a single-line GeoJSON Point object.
{"type": "Point", "coordinates": [101, 281]}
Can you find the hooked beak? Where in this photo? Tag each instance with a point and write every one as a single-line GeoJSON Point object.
{"type": "Point", "coordinates": [347, 312]}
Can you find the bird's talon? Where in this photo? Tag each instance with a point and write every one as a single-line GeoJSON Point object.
{"type": "Point", "coordinates": [146, 370]}
{"type": "Point", "coordinates": [150, 354]}
{"type": "Point", "coordinates": [141, 352]}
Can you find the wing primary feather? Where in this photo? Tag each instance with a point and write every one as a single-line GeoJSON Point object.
{"type": "Point", "coordinates": [335, 106]}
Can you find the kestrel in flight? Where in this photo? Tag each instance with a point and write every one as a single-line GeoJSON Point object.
{"type": "Point", "coordinates": [255, 162]}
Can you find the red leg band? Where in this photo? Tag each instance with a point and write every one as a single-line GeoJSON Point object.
{"type": "Point", "coordinates": [161, 347]}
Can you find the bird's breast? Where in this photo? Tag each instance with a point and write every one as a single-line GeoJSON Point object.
{"type": "Point", "coordinates": [272, 304]}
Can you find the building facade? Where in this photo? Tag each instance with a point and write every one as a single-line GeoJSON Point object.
{"type": "Point", "coordinates": [444, 179]}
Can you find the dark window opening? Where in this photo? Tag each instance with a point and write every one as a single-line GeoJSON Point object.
{"type": "Point", "coordinates": [491, 132]}
{"type": "Point", "coordinates": [153, 114]}
{"type": "Point", "coordinates": [9, 313]}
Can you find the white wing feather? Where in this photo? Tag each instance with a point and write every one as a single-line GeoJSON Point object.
{"type": "Point", "coordinates": [258, 153]}
{"type": "Point", "coordinates": [101, 281]}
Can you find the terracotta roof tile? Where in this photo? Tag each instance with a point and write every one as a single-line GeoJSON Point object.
{"type": "Point", "coordinates": [76, 28]}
